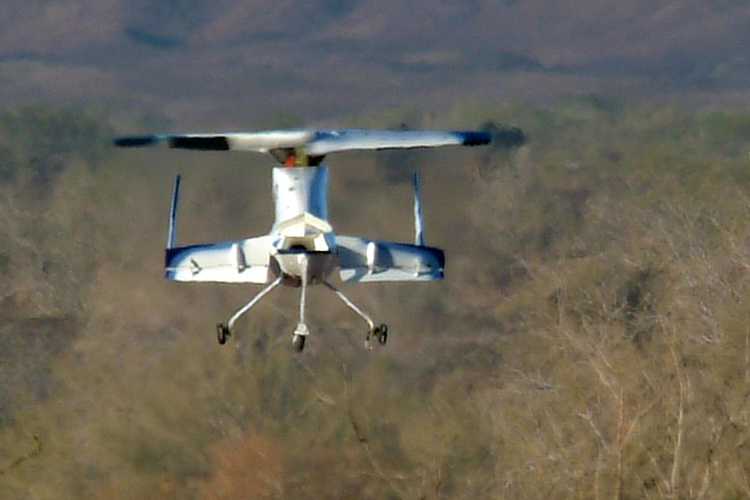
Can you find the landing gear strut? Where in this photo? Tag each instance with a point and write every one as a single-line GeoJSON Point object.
{"type": "Point", "coordinates": [379, 332]}
{"type": "Point", "coordinates": [224, 331]}
{"type": "Point", "coordinates": [302, 331]}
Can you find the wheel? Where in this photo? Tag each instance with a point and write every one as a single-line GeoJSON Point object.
{"type": "Point", "coordinates": [222, 333]}
{"type": "Point", "coordinates": [298, 342]}
{"type": "Point", "coordinates": [382, 334]}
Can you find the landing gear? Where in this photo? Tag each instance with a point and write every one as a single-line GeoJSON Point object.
{"type": "Point", "coordinates": [381, 333]}
{"type": "Point", "coordinates": [302, 331]}
{"type": "Point", "coordinates": [300, 334]}
{"type": "Point", "coordinates": [298, 342]}
{"type": "Point", "coordinates": [222, 333]}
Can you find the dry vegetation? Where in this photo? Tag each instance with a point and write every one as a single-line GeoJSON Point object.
{"type": "Point", "coordinates": [592, 338]}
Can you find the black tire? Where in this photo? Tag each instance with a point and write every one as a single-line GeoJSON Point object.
{"type": "Point", "coordinates": [298, 342]}
{"type": "Point", "coordinates": [222, 334]}
{"type": "Point", "coordinates": [382, 333]}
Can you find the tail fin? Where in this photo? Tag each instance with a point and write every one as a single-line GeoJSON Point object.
{"type": "Point", "coordinates": [173, 213]}
{"type": "Point", "coordinates": [418, 223]}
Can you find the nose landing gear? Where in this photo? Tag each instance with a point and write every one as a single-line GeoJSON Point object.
{"type": "Point", "coordinates": [300, 334]}
{"type": "Point", "coordinates": [298, 342]}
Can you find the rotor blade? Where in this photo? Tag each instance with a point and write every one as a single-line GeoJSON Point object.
{"type": "Point", "coordinates": [260, 142]}
{"type": "Point", "coordinates": [334, 141]}
{"type": "Point", "coordinates": [137, 141]}
{"type": "Point", "coordinates": [313, 142]}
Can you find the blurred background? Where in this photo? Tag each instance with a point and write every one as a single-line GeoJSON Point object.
{"type": "Point", "coordinates": [591, 338]}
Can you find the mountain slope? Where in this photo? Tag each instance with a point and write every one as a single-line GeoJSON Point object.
{"type": "Point", "coordinates": [193, 60]}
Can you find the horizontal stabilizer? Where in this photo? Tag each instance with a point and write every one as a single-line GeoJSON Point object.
{"type": "Point", "coordinates": [244, 261]}
{"type": "Point", "coordinates": [366, 260]}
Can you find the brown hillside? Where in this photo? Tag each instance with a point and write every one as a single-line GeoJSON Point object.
{"type": "Point", "coordinates": [201, 61]}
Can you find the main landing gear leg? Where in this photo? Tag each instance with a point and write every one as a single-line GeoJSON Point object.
{"type": "Point", "coordinates": [224, 331]}
{"type": "Point", "coordinates": [302, 331]}
{"type": "Point", "coordinates": [379, 332]}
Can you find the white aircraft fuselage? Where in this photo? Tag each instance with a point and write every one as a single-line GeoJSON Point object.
{"type": "Point", "coordinates": [304, 246]}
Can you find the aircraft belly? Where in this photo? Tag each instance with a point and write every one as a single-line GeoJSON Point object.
{"type": "Point", "coordinates": [316, 266]}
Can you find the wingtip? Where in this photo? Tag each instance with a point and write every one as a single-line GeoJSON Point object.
{"type": "Point", "coordinates": [136, 141]}
{"type": "Point", "coordinates": [472, 138]}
